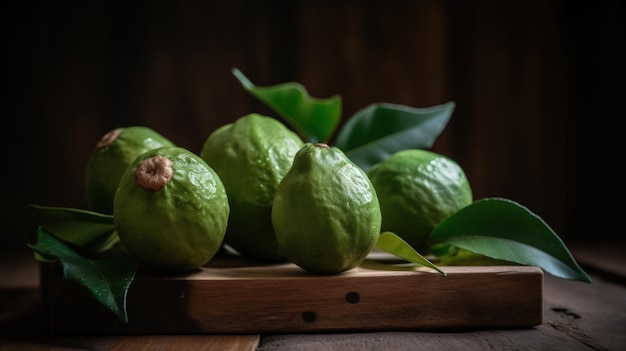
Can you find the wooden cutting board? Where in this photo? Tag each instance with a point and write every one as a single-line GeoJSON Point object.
{"type": "Point", "coordinates": [235, 296]}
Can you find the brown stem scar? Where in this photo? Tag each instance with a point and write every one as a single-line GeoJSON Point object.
{"type": "Point", "coordinates": [154, 173]}
{"type": "Point", "coordinates": [109, 138]}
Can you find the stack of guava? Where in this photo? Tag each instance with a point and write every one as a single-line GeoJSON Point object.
{"type": "Point", "coordinates": [259, 189]}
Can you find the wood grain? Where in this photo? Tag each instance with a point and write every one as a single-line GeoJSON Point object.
{"type": "Point", "coordinates": [577, 316]}
{"type": "Point", "coordinates": [238, 297]}
{"type": "Point", "coordinates": [140, 343]}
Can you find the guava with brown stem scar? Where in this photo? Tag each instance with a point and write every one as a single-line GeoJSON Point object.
{"type": "Point", "coordinates": [171, 210]}
{"type": "Point", "coordinates": [113, 153]}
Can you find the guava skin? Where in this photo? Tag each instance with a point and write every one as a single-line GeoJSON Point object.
{"type": "Point", "coordinates": [115, 151]}
{"type": "Point", "coordinates": [251, 156]}
{"type": "Point", "coordinates": [418, 189]}
{"type": "Point", "coordinates": [326, 212]}
{"type": "Point", "coordinates": [178, 226]}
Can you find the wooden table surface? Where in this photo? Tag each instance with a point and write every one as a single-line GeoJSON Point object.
{"type": "Point", "coordinates": [577, 316]}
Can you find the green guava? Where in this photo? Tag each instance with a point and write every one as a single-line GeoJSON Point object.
{"type": "Point", "coordinates": [326, 212]}
{"type": "Point", "coordinates": [418, 189]}
{"type": "Point", "coordinates": [251, 156]}
{"type": "Point", "coordinates": [115, 151]}
{"type": "Point", "coordinates": [171, 210]}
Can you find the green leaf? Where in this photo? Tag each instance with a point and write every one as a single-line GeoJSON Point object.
{"type": "Point", "coordinates": [505, 230]}
{"type": "Point", "coordinates": [382, 129]}
{"type": "Point", "coordinates": [95, 231]}
{"type": "Point", "coordinates": [456, 256]}
{"type": "Point", "coordinates": [315, 120]}
{"type": "Point", "coordinates": [393, 244]}
{"type": "Point", "coordinates": [107, 280]}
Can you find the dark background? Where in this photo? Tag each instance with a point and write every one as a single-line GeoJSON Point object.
{"type": "Point", "coordinates": [538, 86]}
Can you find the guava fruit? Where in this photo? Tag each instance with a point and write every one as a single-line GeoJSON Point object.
{"type": "Point", "coordinates": [171, 210]}
{"type": "Point", "coordinates": [251, 156]}
{"type": "Point", "coordinates": [115, 151]}
{"type": "Point", "coordinates": [418, 189]}
{"type": "Point", "coordinates": [325, 212]}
